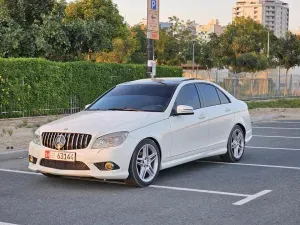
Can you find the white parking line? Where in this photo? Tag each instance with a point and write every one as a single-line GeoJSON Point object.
{"type": "Point", "coordinates": [276, 128]}
{"type": "Point", "coordinates": [199, 191]}
{"type": "Point", "coordinates": [252, 197]}
{"type": "Point", "coordinates": [283, 122]}
{"type": "Point", "coordinates": [263, 136]}
{"type": "Point", "coordinates": [247, 198]}
{"type": "Point", "coordinates": [19, 171]}
{"type": "Point", "coordinates": [254, 165]}
{"type": "Point", "coordinates": [2, 223]}
{"type": "Point", "coordinates": [270, 148]}
{"type": "Point", "coordinates": [10, 152]}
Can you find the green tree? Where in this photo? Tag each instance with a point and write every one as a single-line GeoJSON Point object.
{"type": "Point", "coordinates": [52, 41]}
{"type": "Point", "coordinates": [139, 56]}
{"type": "Point", "coordinates": [97, 10]}
{"type": "Point", "coordinates": [11, 35]}
{"type": "Point", "coordinates": [123, 48]}
{"type": "Point", "coordinates": [242, 37]}
{"type": "Point", "coordinates": [85, 36]}
{"type": "Point", "coordinates": [287, 51]}
{"type": "Point", "coordinates": [26, 12]}
{"type": "Point", "coordinates": [175, 46]}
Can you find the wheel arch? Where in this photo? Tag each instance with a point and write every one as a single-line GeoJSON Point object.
{"type": "Point", "coordinates": [242, 127]}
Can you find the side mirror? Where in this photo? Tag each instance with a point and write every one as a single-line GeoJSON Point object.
{"type": "Point", "coordinates": [87, 106]}
{"type": "Point", "coordinates": [184, 110]}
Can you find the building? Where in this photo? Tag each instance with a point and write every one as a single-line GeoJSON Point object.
{"type": "Point", "coordinates": [273, 14]}
{"type": "Point", "coordinates": [163, 25]}
{"type": "Point", "coordinates": [213, 26]}
{"type": "Point", "coordinates": [144, 22]}
{"type": "Point", "coordinates": [297, 32]}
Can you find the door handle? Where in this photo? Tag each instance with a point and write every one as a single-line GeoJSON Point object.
{"type": "Point", "coordinates": [227, 110]}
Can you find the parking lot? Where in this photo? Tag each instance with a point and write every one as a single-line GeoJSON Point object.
{"type": "Point", "coordinates": [263, 188]}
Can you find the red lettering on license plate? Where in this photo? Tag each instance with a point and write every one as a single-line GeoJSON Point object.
{"type": "Point", "coordinates": [47, 154]}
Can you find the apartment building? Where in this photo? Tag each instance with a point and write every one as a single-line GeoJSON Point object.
{"type": "Point", "coordinates": [213, 26]}
{"type": "Point", "coordinates": [273, 14]}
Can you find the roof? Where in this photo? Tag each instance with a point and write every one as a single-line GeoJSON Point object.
{"type": "Point", "coordinates": [167, 81]}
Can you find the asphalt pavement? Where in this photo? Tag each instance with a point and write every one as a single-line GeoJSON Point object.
{"type": "Point", "coordinates": [261, 189]}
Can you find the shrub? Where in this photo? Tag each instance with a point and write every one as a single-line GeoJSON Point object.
{"type": "Point", "coordinates": [30, 87]}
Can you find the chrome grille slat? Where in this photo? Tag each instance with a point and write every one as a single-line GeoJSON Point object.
{"type": "Point", "coordinates": [51, 140]}
{"type": "Point", "coordinates": [74, 141]}
{"type": "Point", "coordinates": [68, 140]}
{"type": "Point", "coordinates": [47, 138]}
{"type": "Point", "coordinates": [86, 141]}
{"type": "Point", "coordinates": [78, 135]}
{"type": "Point", "coordinates": [81, 143]}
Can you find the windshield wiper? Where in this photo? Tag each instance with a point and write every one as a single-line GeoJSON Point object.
{"type": "Point", "coordinates": [123, 109]}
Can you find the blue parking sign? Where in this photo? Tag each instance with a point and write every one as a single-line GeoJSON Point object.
{"type": "Point", "coordinates": [153, 4]}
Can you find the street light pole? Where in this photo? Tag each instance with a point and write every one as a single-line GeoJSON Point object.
{"type": "Point", "coordinates": [268, 44]}
{"type": "Point", "coordinates": [193, 56]}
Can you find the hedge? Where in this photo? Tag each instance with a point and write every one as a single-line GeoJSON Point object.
{"type": "Point", "coordinates": [31, 87]}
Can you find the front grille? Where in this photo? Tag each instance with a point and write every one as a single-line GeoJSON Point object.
{"type": "Point", "coordinates": [73, 141]}
{"type": "Point", "coordinates": [62, 165]}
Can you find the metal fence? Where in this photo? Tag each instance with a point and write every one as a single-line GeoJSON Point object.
{"type": "Point", "coordinates": [18, 100]}
{"type": "Point", "coordinates": [249, 86]}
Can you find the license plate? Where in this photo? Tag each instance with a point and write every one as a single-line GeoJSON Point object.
{"type": "Point", "coordinates": [60, 156]}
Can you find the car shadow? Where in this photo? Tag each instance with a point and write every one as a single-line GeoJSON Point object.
{"type": "Point", "coordinates": [72, 183]}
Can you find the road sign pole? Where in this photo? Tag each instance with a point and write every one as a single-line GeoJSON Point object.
{"type": "Point", "coordinates": [150, 54]}
{"type": "Point", "coordinates": [152, 32]}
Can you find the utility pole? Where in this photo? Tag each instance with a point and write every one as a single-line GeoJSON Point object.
{"type": "Point", "coordinates": [152, 33]}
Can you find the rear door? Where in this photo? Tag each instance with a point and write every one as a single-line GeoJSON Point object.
{"type": "Point", "coordinates": [189, 132]}
{"type": "Point", "coordinates": [220, 112]}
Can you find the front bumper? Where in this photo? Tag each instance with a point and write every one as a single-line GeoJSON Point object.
{"type": "Point", "coordinates": [120, 155]}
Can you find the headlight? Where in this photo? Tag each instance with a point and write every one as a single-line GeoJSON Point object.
{"type": "Point", "coordinates": [37, 138]}
{"type": "Point", "coordinates": [110, 140]}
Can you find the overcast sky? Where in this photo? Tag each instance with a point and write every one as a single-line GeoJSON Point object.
{"type": "Point", "coordinates": [199, 10]}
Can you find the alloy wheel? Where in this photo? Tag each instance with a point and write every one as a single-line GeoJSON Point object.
{"type": "Point", "coordinates": [147, 163]}
{"type": "Point", "coordinates": [237, 143]}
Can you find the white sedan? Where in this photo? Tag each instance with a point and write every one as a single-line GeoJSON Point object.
{"type": "Point", "coordinates": [141, 127]}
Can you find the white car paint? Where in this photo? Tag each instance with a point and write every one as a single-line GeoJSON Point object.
{"type": "Point", "coordinates": [181, 139]}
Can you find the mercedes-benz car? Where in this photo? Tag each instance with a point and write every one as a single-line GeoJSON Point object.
{"type": "Point", "coordinates": [138, 128]}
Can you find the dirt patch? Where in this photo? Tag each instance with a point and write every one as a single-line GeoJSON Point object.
{"type": "Point", "coordinates": [285, 114]}
{"type": "Point", "coordinates": [16, 134]}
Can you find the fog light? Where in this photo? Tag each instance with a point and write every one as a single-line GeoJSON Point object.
{"type": "Point", "coordinates": [109, 166]}
{"type": "Point", "coordinates": [32, 159]}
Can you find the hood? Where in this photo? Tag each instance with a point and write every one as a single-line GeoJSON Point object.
{"type": "Point", "coordinates": [98, 123]}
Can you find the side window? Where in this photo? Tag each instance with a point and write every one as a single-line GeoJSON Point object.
{"type": "Point", "coordinates": [223, 98]}
{"type": "Point", "coordinates": [209, 94]}
{"type": "Point", "coordinates": [188, 95]}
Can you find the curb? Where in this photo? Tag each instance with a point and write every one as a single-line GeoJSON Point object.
{"type": "Point", "coordinates": [265, 117]}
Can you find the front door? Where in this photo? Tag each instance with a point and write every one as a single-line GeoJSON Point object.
{"type": "Point", "coordinates": [189, 132]}
{"type": "Point", "coordinates": [221, 114]}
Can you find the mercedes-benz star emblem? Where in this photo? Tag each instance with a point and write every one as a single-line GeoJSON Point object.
{"type": "Point", "coordinates": [60, 142]}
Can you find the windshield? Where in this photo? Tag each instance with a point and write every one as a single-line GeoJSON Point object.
{"type": "Point", "coordinates": [136, 97]}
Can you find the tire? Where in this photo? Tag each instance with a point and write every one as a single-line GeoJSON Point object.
{"type": "Point", "coordinates": [235, 145]}
{"type": "Point", "coordinates": [145, 164]}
